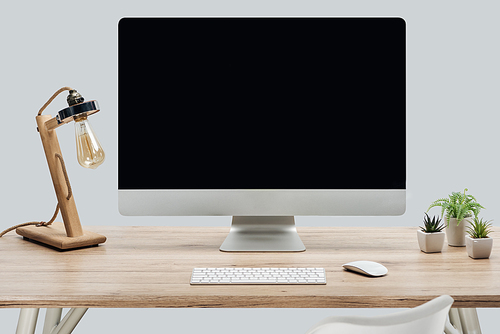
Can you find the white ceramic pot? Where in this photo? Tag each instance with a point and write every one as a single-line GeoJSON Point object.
{"type": "Point", "coordinates": [455, 234]}
{"type": "Point", "coordinates": [478, 248]}
{"type": "Point", "coordinates": [430, 242]}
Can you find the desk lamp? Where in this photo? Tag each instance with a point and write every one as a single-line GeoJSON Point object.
{"type": "Point", "coordinates": [69, 235]}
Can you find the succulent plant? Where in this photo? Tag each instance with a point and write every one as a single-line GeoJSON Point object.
{"type": "Point", "coordinates": [458, 205]}
{"type": "Point", "coordinates": [431, 225]}
{"type": "Point", "coordinates": [479, 228]}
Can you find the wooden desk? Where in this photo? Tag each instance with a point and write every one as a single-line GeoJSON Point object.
{"type": "Point", "coordinates": [151, 267]}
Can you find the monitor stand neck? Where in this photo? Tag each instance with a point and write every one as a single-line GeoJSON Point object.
{"type": "Point", "coordinates": [263, 234]}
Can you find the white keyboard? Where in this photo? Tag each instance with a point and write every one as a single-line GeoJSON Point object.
{"type": "Point", "coordinates": [258, 276]}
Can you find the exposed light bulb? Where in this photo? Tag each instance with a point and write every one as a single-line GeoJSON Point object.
{"type": "Point", "coordinates": [89, 151]}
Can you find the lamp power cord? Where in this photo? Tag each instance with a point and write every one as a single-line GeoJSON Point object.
{"type": "Point", "coordinates": [40, 223]}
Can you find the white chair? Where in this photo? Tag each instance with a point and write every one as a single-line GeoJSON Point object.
{"type": "Point", "coordinates": [429, 318]}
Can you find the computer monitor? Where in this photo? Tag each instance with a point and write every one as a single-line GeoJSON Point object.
{"type": "Point", "coordinates": [262, 119]}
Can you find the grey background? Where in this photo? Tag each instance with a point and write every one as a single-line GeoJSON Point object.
{"type": "Point", "coordinates": [452, 105]}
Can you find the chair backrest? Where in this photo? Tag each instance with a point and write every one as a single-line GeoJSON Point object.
{"type": "Point", "coordinates": [428, 318]}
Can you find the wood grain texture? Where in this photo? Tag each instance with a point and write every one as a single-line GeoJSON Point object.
{"type": "Point", "coordinates": [151, 267]}
{"type": "Point", "coordinates": [52, 124]}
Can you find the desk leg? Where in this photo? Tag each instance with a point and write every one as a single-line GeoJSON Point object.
{"type": "Point", "coordinates": [465, 320]}
{"type": "Point", "coordinates": [53, 323]}
{"type": "Point", "coordinates": [27, 321]}
{"type": "Point", "coordinates": [469, 320]}
{"type": "Point", "coordinates": [455, 320]}
{"type": "Point", "coordinates": [70, 320]}
{"type": "Point", "coordinates": [449, 329]}
{"type": "Point", "coordinates": [52, 319]}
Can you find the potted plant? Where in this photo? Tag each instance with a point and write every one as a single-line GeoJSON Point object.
{"type": "Point", "coordinates": [478, 243]}
{"type": "Point", "coordinates": [431, 235]}
{"type": "Point", "coordinates": [458, 207]}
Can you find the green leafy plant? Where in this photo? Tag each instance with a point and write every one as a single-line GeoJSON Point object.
{"type": "Point", "coordinates": [458, 205]}
{"type": "Point", "coordinates": [431, 225]}
{"type": "Point", "coordinates": [479, 228]}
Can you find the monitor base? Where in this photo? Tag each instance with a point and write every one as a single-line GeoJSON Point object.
{"type": "Point", "coordinates": [263, 234]}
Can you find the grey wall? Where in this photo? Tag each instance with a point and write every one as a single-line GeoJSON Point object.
{"type": "Point", "coordinates": [452, 85]}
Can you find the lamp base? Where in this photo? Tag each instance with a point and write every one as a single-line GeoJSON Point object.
{"type": "Point", "coordinates": [55, 236]}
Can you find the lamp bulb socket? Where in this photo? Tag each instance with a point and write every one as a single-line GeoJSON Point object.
{"type": "Point", "coordinates": [74, 98]}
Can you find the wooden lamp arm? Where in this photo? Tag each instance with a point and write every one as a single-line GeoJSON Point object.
{"type": "Point", "coordinates": [60, 180]}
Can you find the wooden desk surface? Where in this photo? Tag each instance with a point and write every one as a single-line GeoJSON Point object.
{"type": "Point", "coordinates": [151, 267]}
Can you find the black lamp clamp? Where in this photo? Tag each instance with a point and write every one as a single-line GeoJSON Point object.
{"type": "Point", "coordinates": [77, 108]}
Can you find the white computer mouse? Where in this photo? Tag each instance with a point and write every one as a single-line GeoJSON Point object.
{"type": "Point", "coordinates": [369, 268]}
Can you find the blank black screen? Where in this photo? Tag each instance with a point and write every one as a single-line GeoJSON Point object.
{"type": "Point", "coordinates": [261, 103]}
